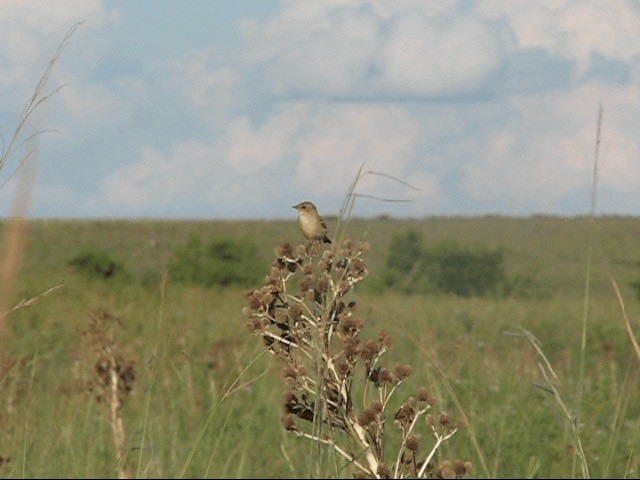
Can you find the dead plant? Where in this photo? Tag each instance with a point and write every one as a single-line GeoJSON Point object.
{"type": "Point", "coordinates": [112, 376]}
{"type": "Point", "coordinates": [336, 390]}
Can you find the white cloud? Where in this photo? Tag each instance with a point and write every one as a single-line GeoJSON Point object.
{"type": "Point", "coordinates": [31, 30]}
{"type": "Point", "coordinates": [572, 28]}
{"type": "Point", "coordinates": [211, 88]}
{"type": "Point", "coordinates": [337, 139]}
{"type": "Point", "coordinates": [326, 144]}
{"type": "Point", "coordinates": [438, 56]}
{"type": "Point", "coordinates": [327, 141]}
{"type": "Point", "coordinates": [93, 103]}
{"type": "Point", "coordinates": [325, 55]}
{"type": "Point", "coordinates": [371, 48]}
{"type": "Point", "coordinates": [157, 180]}
{"type": "Point", "coordinates": [316, 89]}
{"type": "Point", "coordinates": [251, 148]}
{"type": "Point", "coordinates": [546, 152]}
{"type": "Point", "coordinates": [312, 149]}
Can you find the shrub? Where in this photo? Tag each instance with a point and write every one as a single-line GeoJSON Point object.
{"type": "Point", "coordinates": [465, 272]}
{"type": "Point", "coordinates": [406, 265]}
{"type": "Point", "coordinates": [446, 268]}
{"type": "Point", "coordinates": [98, 264]}
{"type": "Point", "coordinates": [222, 262]}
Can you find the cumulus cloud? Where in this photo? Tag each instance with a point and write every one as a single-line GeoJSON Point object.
{"type": "Point", "coordinates": [372, 48]}
{"type": "Point", "coordinates": [321, 146]}
{"type": "Point", "coordinates": [575, 29]}
{"type": "Point", "coordinates": [30, 33]}
{"type": "Point", "coordinates": [527, 147]}
{"type": "Point", "coordinates": [31, 30]}
{"type": "Point", "coordinates": [485, 106]}
{"type": "Point", "coordinates": [252, 147]}
{"type": "Point", "coordinates": [210, 87]}
{"type": "Point", "coordinates": [546, 152]}
{"type": "Point", "coordinates": [157, 179]}
{"type": "Point", "coordinates": [337, 139]}
{"type": "Point", "coordinates": [310, 150]}
{"type": "Point", "coordinates": [438, 56]}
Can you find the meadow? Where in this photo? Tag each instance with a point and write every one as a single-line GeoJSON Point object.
{"type": "Point", "coordinates": [204, 399]}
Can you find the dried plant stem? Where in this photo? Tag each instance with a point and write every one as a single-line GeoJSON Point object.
{"type": "Point", "coordinates": [327, 441]}
{"type": "Point", "coordinates": [627, 323]}
{"type": "Point", "coordinates": [440, 439]}
{"type": "Point", "coordinates": [112, 377]}
{"type": "Point", "coordinates": [155, 360]}
{"type": "Point", "coordinates": [13, 250]}
{"type": "Point", "coordinates": [15, 234]}
{"type": "Point", "coordinates": [315, 332]}
{"type": "Point", "coordinates": [405, 435]}
{"type": "Point", "coordinates": [348, 203]}
{"type": "Point", "coordinates": [38, 97]}
{"type": "Point", "coordinates": [115, 404]}
{"type": "Point", "coordinates": [551, 378]}
{"type": "Point", "coordinates": [28, 302]}
{"type": "Point", "coordinates": [587, 286]}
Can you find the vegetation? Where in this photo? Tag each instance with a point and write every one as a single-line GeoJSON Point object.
{"type": "Point", "coordinates": [221, 262]}
{"type": "Point", "coordinates": [446, 267]}
{"type": "Point", "coordinates": [337, 392]}
{"type": "Point", "coordinates": [105, 378]}
{"type": "Point", "coordinates": [97, 263]}
{"type": "Point", "coordinates": [204, 393]}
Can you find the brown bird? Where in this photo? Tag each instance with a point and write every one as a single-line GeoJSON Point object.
{"type": "Point", "coordinates": [311, 224]}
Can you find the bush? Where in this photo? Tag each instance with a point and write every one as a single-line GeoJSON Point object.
{"type": "Point", "coordinates": [222, 262]}
{"type": "Point", "coordinates": [406, 264]}
{"type": "Point", "coordinates": [445, 268]}
{"type": "Point", "coordinates": [465, 272]}
{"type": "Point", "coordinates": [98, 264]}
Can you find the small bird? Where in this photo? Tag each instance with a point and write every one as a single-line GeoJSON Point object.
{"type": "Point", "coordinates": [311, 224]}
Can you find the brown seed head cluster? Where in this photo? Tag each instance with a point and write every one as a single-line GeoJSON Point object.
{"type": "Point", "coordinates": [305, 317]}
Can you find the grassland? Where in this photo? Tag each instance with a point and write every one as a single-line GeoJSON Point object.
{"type": "Point", "coordinates": [206, 400]}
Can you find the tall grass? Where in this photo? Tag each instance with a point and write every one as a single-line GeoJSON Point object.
{"type": "Point", "coordinates": [574, 414]}
{"type": "Point", "coordinates": [587, 295]}
{"type": "Point", "coordinates": [14, 243]}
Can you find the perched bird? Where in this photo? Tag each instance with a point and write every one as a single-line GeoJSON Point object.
{"type": "Point", "coordinates": [311, 224]}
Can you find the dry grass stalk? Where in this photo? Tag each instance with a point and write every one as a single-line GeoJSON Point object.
{"type": "Point", "coordinates": [334, 380]}
{"type": "Point", "coordinates": [40, 96]}
{"type": "Point", "coordinates": [15, 232]}
{"type": "Point", "coordinates": [112, 379]}
{"type": "Point", "coordinates": [627, 323]}
{"type": "Point", "coordinates": [551, 379]}
{"type": "Point", "coordinates": [14, 244]}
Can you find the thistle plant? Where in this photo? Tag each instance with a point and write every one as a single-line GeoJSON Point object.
{"type": "Point", "coordinates": [337, 392]}
{"type": "Point", "coordinates": [112, 377]}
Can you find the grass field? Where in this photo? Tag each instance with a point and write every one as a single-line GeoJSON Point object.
{"type": "Point", "coordinates": [206, 399]}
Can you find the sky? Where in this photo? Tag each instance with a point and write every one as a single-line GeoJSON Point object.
{"type": "Point", "coordinates": [240, 109]}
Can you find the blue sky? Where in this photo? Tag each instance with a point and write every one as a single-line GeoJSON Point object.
{"type": "Point", "coordinates": [240, 109]}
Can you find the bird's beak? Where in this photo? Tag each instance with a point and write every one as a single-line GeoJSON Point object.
{"type": "Point", "coordinates": [295, 206]}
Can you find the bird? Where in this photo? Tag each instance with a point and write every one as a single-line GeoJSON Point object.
{"type": "Point", "coordinates": [310, 222]}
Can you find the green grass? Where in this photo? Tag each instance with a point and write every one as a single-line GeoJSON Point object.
{"type": "Point", "coordinates": [179, 422]}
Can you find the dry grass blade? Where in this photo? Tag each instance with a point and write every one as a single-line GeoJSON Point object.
{"type": "Point", "coordinates": [38, 97]}
{"type": "Point", "coordinates": [627, 324]}
{"type": "Point", "coordinates": [13, 248]}
{"type": "Point", "coordinates": [349, 200]}
{"type": "Point", "coordinates": [15, 232]}
{"type": "Point", "coordinates": [28, 302]}
{"type": "Point", "coordinates": [551, 378]}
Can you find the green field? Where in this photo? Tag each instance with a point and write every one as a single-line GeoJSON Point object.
{"type": "Point", "coordinates": [206, 400]}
